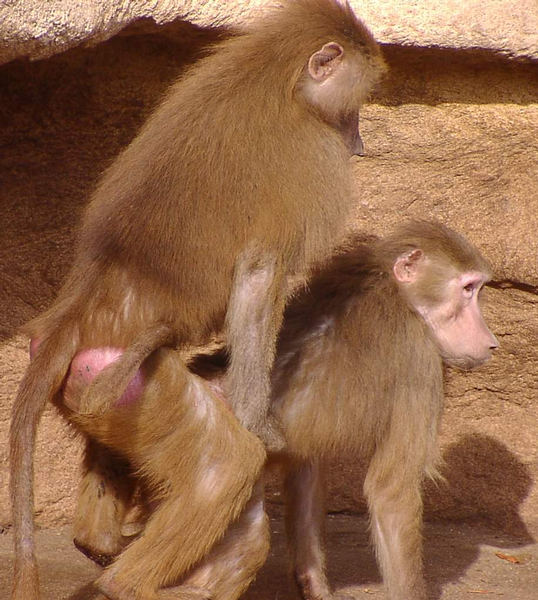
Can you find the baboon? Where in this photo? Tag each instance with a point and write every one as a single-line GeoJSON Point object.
{"type": "Point", "coordinates": [358, 370]}
{"type": "Point", "coordinates": [235, 186]}
{"type": "Point", "coordinates": [197, 465]}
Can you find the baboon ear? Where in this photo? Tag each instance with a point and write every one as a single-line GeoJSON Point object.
{"type": "Point", "coordinates": [407, 265]}
{"type": "Point", "coordinates": [324, 62]}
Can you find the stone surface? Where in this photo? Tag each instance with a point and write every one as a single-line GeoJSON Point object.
{"type": "Point", "coordinates": [36, 29]}
{"type": "Point", "coordinates": [451, 134]}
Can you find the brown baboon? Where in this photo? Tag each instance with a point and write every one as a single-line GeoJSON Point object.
{"type": "Point", "coordinates": [358, 370]}
{"type": "Point", "coordinates": [197, 466]}
{"type": "Point", "coordinates": [236, 185]}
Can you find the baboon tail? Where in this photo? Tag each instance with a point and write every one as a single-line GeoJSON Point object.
{"type": "Point", "coordinates": [41, 382]}
{"type": "Point", "coordinates": [105, 390]}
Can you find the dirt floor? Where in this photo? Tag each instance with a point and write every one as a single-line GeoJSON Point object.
{"type": "Point", "coordinates": [463, 561]}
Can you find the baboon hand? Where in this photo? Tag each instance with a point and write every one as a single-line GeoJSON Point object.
{"type": "Point", "coordinates": [269, 432]}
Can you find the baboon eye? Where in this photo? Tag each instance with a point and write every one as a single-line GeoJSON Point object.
{"type": "Point", "coordinates": [468, 290]}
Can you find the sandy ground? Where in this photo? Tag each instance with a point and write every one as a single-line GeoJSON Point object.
{"type": "Point", "coordinates": [463, 561]}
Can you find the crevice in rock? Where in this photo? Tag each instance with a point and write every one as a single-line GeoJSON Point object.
{"type": "Point", "coordinates": [505, 284]}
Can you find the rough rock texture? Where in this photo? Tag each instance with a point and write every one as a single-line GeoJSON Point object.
{"type": "Point", "coordinates": [452, 133]}
{"type": "Point", "coordinates": [30, 28]}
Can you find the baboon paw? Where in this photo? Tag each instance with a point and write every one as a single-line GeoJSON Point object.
{"type": "Point", "coordinates": [317, 588]}
{"type": "Point", "coordinates": [339, 595]}
{"type": "Point", "coordinates": [313, 588]}
{"type": "Point", "coordinates": [114, 588]}
{"type": "Point", "coordinates": [270, 434]}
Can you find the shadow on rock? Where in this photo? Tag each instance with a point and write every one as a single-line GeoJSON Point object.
{"type": "Point", "coordinates": [485, 481]}
{"type": "Point", "coordinates": [485, 484]}
{"type": "Point", "coordinates": [63, 120]}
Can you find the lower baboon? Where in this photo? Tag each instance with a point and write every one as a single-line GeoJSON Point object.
{"type": "Point", "coordinates": [358, 370]}
{"type": "Point", "coordinates": [197, 466]}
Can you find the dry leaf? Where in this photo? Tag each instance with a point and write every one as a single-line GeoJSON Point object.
{"type": "Point", "coordinates": [513, 559]}
{"type": "Point", "coordinates": [480, 592]}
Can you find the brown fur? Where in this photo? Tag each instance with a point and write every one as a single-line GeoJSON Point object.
{"type": "Point", "coordinates": [358, 370]}
{"type": "Point", "coordinates": [197, 465]}
{"type": "Point", "coordinates": [236, 184]}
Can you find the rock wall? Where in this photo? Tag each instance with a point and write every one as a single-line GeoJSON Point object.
{"type": "Point", "coordinates": [452, 133]}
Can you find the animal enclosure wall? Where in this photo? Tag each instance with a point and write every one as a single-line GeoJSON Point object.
{"type": "Point", "coordinates": [452, 133]}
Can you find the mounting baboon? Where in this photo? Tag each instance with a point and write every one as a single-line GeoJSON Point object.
{"type": "Point", "coordinates": [235, 186]}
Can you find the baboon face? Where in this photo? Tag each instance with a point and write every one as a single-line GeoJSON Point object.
{"type": "Point", "coordinates": [449, 302]}
{"type": "Point", "coordinates": [462, 335]}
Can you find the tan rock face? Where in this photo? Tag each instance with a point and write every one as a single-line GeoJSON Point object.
{"type": "Point", "coordinates": [33, 29]}
{"type": "Point", "coordinates": [451, 134]}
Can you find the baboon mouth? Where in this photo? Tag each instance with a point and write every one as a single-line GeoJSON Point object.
{"type": "Point", "coordinates": [99, 558]}
{"type": "Point", "coordinates": [465, 363]}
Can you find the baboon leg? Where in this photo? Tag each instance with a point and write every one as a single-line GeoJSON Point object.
{"type": "Point", "coordinates": [183, 592]}
{"type": "Point", "coordinates": [104, 497]}
{"type": "Point", "coordinates": [233, 563]}
{"type": "Point", "coordinates": [304, 524]}
{"type": "Point", "coordinates": [393, 491]}
{"type": "Point", "coordinates": [203, 466]}
{"type": "Point", "coordinates": [179, 533]}
{"type": "Point", "coordinates": [253, 318]}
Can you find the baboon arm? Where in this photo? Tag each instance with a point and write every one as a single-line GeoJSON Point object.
{"type": "Point", "coordinates": [253, 319]}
